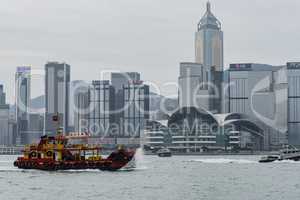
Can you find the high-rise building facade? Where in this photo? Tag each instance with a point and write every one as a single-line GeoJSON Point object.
{"type": "Point", "coordinates": [22, 99]}
{"type": "Point", "coordinates": [293, 72]}
{"type": "Point", "coordinates": [101, 105]}
{"type": "Point", "coordinates": [2, 95]}
{"type": "Point", "coordinates": [79, 105]}
{"type": "Point", "coordinates": [22, 91]}
{"type": "Point", "coordinates": [57, 82]}
{"type": "Point", "coordinates": [209, 41]}
{"type": "Point", "coordinates": [118, 80]}
{"type": "Point", "coordinates": [136, 108]}
{"type": "Point", "coordinates": [200, 83]}
{"type": "Point", "coordinates": [260, 91]}
{"type": "Point", "coordinates": [5, 137]}
{"type": "Point", "coordinates": [193, 88]}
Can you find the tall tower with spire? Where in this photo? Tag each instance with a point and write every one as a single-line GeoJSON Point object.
{"type": "Point", "coordinates": [209, 41]}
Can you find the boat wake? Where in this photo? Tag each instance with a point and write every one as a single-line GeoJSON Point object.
{"type": "Point", "coordinates": [287, 161]}
{"type": "Point", "coordinates": [223, 161]}
{"type": "Point", "coordinates": [137, 163]}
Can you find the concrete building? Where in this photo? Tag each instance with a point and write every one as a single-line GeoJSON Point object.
{"type": "Point", "coordinates": [136, 108]}
{"type": "Point", "coordinates": [22, 100]}
{"type": "Point", "coordinates": [22, 91]}
{"type": "Point", "coordinates": [35, 128]}
{"type": "Point", "coordinates": [117, 111]}
{"type": "Point", "coordinates": [195, 90]}
{"type": "Point", "coordinates": [200, 83]}
{"type": "Point", "coordinates": [79, 105]}
{"type": "Point", "coordinates": [2, 95]}
{"type": "Point", "coordinates": [209, 41]}
{"type": "Point", "coordinates": [191, 130]}
{"type": "Point", "coordinates": [260, 91]}
{"type": "Point", "coordinates": [156, 135]}
{"type": "Point", "coordinates": [57, 83]}
{"type": "Point", "coordinates": [101, 97]}
{"type": "Point", "coordinates": [120, 79]}
{"type": "Point", "coordinates": [293, 72]}
{"type": "Point", "coordinates": [5, 137]}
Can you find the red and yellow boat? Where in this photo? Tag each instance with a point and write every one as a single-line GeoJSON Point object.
{"type": "Point", "coordinates": [55, 153]}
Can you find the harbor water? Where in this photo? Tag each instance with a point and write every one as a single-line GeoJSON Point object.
{"type": "Point", "coordinates": [174, 178]}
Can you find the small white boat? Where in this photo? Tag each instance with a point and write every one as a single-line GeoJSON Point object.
{"type": "Point", "coordinates": [164, 152]}
{"type": "Point", "coordinates": [270, 158]}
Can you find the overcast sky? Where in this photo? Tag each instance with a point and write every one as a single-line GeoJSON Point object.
{"type": "Point", "coordinates": [148, 36]}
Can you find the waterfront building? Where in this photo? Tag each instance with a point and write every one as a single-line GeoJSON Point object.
{"type": "Point", "coordinates": [136, 108]}
{"type": "Point", "coordinates": [80, 105]}
{"type": "Point", "coordinates": [57, 83]}
{"type": "Point", "coordinates": [293, 72]}
{"type": "Point", "coordinates": [22, 100]}
{"type": "Point", "coordinates": [117, 111]}
{"type": "Point", "coordinates": [5, 137]}
{"type": "Point", "coordinates": [101, 96]}
{"type": "Point", "coordinates": [2, 95]}
{"type": "Point", "coordinates": [191, 130]}
{"type": "Point", "coordinates": [118, 80]}
{"type": "Point", "coordinates": [156, 135]}
{"type": "Point", "coordinates": [35, 128]}
{"type": "Point", "coordinates": [260, 91]}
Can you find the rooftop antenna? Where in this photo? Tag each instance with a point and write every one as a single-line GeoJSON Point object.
{"type": "Point", "coordinates": [208, 6]}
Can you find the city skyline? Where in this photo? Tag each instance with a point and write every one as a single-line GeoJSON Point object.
{"type": "Point", "coordinates": [100, 46]}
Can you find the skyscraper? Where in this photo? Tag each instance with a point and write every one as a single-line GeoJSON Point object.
{"type": "Point", "coordinates": [209, 41]}
{"type": "Point", "coordinates": [193, 90]}
{"type": "Point", "coordinates": [261, 92]}
{"type": "Point", "coordinates": [5, 137]}
{"type": "Point", "coordinates": [79, 105]}
{"type": "Point", "coordinates": [118, 80]}
{"type": "Point", "coordinates": [22, 90]}
{"type": "Point", "coordinates": [136, 108]}
{"type": "Point", "coordinates": [57, 83]}
{"type": "Point", "coordinates": [2, 95]}
{"type": "Point", "coordinates": [293, 76]}
{"type": "Point", "coordinates": [22, 99]}
{"type": "Point", "coordinates": [200, 83]}
{"type": "Point", "coordinates": [101, 101]}
{"type": "Point", "coordinates": [131, 104]}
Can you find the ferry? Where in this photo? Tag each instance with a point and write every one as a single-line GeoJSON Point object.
{"type": "Point", "coordinates": [288, 153]}
{"type": "Point", "coordinates": [55, 153]}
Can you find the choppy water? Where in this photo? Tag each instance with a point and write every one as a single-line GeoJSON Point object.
{"type": "Point", "coordinates": [175, 178]}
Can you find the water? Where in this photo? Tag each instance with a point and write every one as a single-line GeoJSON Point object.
{"type": "Point", "coordinates": [175, 178]}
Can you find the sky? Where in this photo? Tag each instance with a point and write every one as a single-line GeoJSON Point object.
{"type": "Point", "coordinates": [148, 36]}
